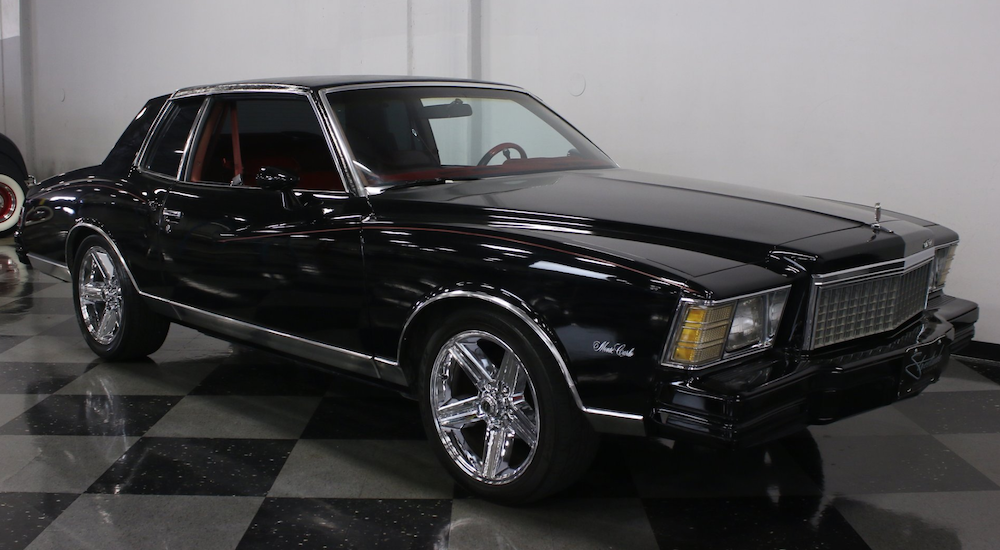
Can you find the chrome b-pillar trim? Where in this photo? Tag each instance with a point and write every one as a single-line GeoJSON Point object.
{"type": "Point", "coordinates": [603, 420]}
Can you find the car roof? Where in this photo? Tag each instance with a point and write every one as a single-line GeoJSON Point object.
{"type": "Point", "coordinates": [322, 82]}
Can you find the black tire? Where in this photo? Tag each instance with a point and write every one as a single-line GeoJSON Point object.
{"type": "Point", "coordinates": [12, 193]}
{"type": "Point", "coordinates": [113, 318]}
{"type": "Point", "coordinates": [564, 442]}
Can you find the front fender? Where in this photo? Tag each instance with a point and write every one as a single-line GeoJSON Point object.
{"type": "Point", "coordinates": [604, 322]}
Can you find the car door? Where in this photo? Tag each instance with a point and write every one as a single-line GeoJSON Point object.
{"type": "Point", "coordinates": [282, 265]}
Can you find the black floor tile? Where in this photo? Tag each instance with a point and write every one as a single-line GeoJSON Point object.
{"type": "Point", "coordinates": [38, 305]}
{"type": "Point", "coordinates": [376, 414]}
{"type": "Point", "coordinates": [118, 415]}
{"type": "Point", "coordinates": [988, 368]}
{"type": "Point", "coordinates": [15, 288]}
{"type": "Point", "coordinates": [685, 469]}
{"type": "Point", "coordinates": [788, 522]}
{"type": "Point", "coordinates": [7, 342]}
{"type": "Point", "coordinates": [848, 465]}
{"type": "Point", "coordinates": [955, 412]}
{"type": "Point", "coordinates": [255, 373]}
{"type": "Point", "coordinates": [609, 476]}
{"type": "Point", "coordinates": [24, 515]}
{"type": "Point", "coordinates": [39, 377]}
{"type": "Point", "coordinates": [68, 328]}
{"type": "Point", "coordinates": [196, 466]}
{"type": "Point", "coordinates": [349, 524]}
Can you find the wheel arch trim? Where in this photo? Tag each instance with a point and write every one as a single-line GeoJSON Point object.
{"type": "Point", "coordinates": [603, 420]}
{"type": "Point", "coordinates": [70, 236]}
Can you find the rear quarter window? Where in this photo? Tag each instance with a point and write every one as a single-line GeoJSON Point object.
{"type": "Point", "coordinates": [122, 155]}
{"type": "Point", "coordinates": [168, 145]}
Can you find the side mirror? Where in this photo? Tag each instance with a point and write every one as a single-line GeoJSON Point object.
{"type": "Point", "coordinates": [278, 179]}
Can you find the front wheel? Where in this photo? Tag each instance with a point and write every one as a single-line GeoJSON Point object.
{"type": "Point", "coordinates": [497, 411]}
{"type": "Point", "coordinates": [115, 322]}
{"type": "Point", "coordinates": [11, 200]}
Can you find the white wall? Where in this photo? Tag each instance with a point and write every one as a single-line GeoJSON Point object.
{"type": "Point", "coordinates": [97, 62]}
{"type": "Point", "coordinates": [14, 100]}
{"type": "Point", "coordinates": [863, 100]}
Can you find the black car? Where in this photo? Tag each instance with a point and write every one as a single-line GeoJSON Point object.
{"type": "Point", "coordinates": [460, 242]}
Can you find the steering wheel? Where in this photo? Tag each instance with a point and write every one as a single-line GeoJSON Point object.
{"type": "Point", "coordinates": [505, 147]}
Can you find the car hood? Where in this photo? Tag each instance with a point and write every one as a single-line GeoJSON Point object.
{"type": "Point", "coordinates": [708, 226]}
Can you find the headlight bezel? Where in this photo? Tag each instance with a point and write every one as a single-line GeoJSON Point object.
{"type": "Point", "coordinates": [681, 325]}
{"type": "Point", "coordinates": [944, 256]}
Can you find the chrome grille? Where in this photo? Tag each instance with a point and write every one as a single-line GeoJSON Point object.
{"type": "Point", "coordinates": [852, 309]}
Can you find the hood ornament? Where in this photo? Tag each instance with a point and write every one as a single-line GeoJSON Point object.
{"type": "Point", "coordinates": [877, 226]}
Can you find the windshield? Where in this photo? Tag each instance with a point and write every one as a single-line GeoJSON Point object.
{"type": "Point", "coordinates": [419, 134]}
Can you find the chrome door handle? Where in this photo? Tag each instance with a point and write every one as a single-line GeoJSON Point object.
{"type": "Point", "coordinates": [172, 214]}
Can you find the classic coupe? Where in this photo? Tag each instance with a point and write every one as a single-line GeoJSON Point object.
{"type": "Point", "coordinates": [461, 243]}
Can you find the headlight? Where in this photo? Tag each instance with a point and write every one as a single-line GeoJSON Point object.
{"type": "Point", "coordinates": [747, 328]}
{"type": "Point", "coordinates": [942, 264]}
{"type": "Point", "coordinates": [707, 332]}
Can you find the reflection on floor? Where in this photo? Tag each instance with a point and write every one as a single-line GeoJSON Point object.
{"type": "Point", "coordinates": [206, 445]}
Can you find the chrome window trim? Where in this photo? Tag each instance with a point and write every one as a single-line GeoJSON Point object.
{"type": "Point", "coordinates": [208, 92]}
{"type": "Point", "coordinates": [238, 87]}
{"type": "Point", "coordinates": [675, 327]}
{"type": "Point", "coordinates": [140, 160]}
{"type": "Point", "coordinates": [342, 147]}
{"type": "Point", "coordinates": [419, 84]}
{"type": "Point", "coordinates": [141, 154]}
{"type": "Point", "coordinates": [860, 274]}
{"type": "Point", "coordinates": [145, 140]}
{"type": "Point", "coordinates": [318, 112]}
{"type": "Point", "coordinates": [601, 419]}
{"type": "Point", "coordinates": [199, 123]}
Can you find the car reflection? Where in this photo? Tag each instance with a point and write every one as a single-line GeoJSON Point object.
{"type": "Point", "coordinates": [899, 529]}
{"type": "Point", "coordinates": [13, 282]}
{"type": "Point", "coordinates": [776, 490]}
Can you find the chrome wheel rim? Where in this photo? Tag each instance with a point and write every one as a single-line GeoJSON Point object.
{"type": "Point", "coordinates": [484, 407]}
{"type": "Point", "coordinates": [100, 295]}
{"type": "Point", "coordinates": [8, 202]}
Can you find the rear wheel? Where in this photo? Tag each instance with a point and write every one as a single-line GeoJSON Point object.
{"type": "Point", "coordinates": [497, 411]}
{"type": "Point", "coordinates": [12, 190]}
{"type": "Point", "coordinates": [115, 322]}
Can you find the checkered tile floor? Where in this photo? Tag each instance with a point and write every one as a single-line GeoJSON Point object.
{"type": "Point", "coordinates": [206, 445]}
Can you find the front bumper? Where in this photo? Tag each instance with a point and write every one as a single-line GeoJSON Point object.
{"type": "Point", "coordinates": [782, 393]}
